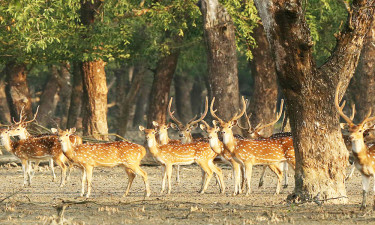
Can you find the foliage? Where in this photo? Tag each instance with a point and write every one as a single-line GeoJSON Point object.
{"type": "Point", "coordinates": [325, 18]}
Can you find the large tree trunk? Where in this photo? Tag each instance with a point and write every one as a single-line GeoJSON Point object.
{"type": "Point", "coordinates": [17, 90]}
{"type": "Point", "coordinates": [128, 102]}
{"type": "Point", "coordinates": [160, 88]}
{"type": "Point", "coordinates": [94, 81]}
{"type": "Point", "coordinates": [183, 85]}
{"type": "Point", "coordinates": [64, 94]}
{"type": "Point", "coordinates": [76, 96]}
{"type": "Point", "coordinates": [49, 98]}
{"type": "Point", "coordinates": [222, 58]}
{"type": "Point", "coordinates": [263, 103]}
{"type": "Point", "coordinates": [196, 95]}
{"type": "Point", "coordinates": [362, 86]}
{"type": "Point", "coordinates": [95, 99]}
{"type": "Point", "coordinates": [140, 107]}
{"type": "Point", "coordinates": [4, 110]}
{"type": "Point", "coordinates": [321, 155]}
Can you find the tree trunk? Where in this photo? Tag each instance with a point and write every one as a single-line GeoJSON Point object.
{"type": "Point", "coordinates": [140, 108]}
{"type": "Point", "coordinates": [94, 99]}
{"type": "Point", "coordinates": [222, 58]}
{"type": "Point", "coordinates": [17, 90]}
{"type": "Point", "coordinates": [160, 88]}
{"type": "Point", "coordinates": [49, 98]}
{"type": "Point", "coordinates": [94, 81]}
{"type": "Point", "coordinates": [128, 101]}
{"type": "Point", "coordinates": [76, 96]}
{"type": "Point", "coordinates": [4, 110]}
{"type": "Point", "coordinates": [263, 103]}
{"type": "Point", "coordinates": [183, 85]}
{"type": "Point", "coordinates": [64, 94]}
{"type": "Point", "coordinates": [321, 155]}
{"type": "Point", "coordinates": [362, 86]}
{"type": "Point", "coordinates": [196, 96]}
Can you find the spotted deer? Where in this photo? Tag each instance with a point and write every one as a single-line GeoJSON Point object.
{"type": "Point", "coordinates": [364, 157]}
{"type": "Point", "coordinates": [184, 154]}
{"type": "Point", "coordinates": [18, 129]}
{"type": "Point", "coordinates": [184, 130]}
{"type": "Point", "coordinates": [249, 152]}
{"type": "Point", "coordinates": [35, 149]}
{"type": "Point", "coordinates": [284, 138]}
{"type": "Point", "coordinates": [88, 156]}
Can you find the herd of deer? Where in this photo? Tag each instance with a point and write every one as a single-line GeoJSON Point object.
{"type": "Point", "coordinates": [275, 152]}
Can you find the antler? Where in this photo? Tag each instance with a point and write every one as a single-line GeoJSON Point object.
{"type": "Point", "coordinates": [21, 117]}
{"type": "Point", "coordinates": [339, 109]}
{"type": "Point", "coordinates": [192, 122]}
{"type": "Point", "coordinates": [214, 111]}
{"type": "Point", "coordinates": [237, 116]}
{"type": "Point", "coordinates": [368, 118]}
{"type": "Point", "coordinates": [171, 114]}
{"type": "Point", "coordinates": [353, 111]}
{"type": "Point", "coordinates": [205, 123]}
{"type": "Point", "coordinates": [278, 115]}
{"type": "Point", "coordinates": [36, 113]}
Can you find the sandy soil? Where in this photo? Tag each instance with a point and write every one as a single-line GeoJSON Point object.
{"type": "Point", "coordinates": [42, 202]}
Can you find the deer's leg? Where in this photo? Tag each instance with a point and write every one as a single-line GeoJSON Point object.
{"type": "Point", "coordinates": [131, 176]}
{"type": "Point", "coordinates": [352, 168]}
{"type": "Point", "coordinates": [279, 173]}
{"type": "Point", "coordinates": [83, 181]}
{"type": "Point", "coordinates": [285, 169]}
{"type": "Point", "coordinates": [36, 167]}
{"type": "Point", "coordinates": [89, 170]}
{"type": "Point", "coordinates": [236, 177]}
{"type": "Point", "coordinates": [243, 179]}
{"type": "Point", "coordinates": [219, 176]}
{"type": "Point", "coordinates": [206, 167]}
{"type": "Point", "coordinates": [138, 170]}
{"type": "Point", "coordinates": [28, 171]}
{"type": "Point", "coordinates": [248, 172]}
{"type": "Point", "coordinates": [168, 170]}
{"type": "Point", "coordinates": [164, 177]}
{"type": "Point", "coordinates": [261, 180]}
{"type": "Point", "coordinates": [52, 169]}
{"type": "Point", "coordinates": [70, 166]}
{"type": "Point", "coordinates": [365, 186]}
{"type": "Point", "coordinates": [25, 164]}
{"type": "Point", "coordinates": [178, 174]}
{"type": "Point", "coordinates": [62, 165]}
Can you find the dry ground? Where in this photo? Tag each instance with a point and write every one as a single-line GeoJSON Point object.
{"type": "Point", "coordinates": [40, 203]}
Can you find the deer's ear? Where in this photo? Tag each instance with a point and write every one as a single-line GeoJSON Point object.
{"type": "Point", "coordinates": [72, 130]}
{"type": "Point", "coordinates": [174, 126]}
{"type": "Point", "coordinates": [141, 128]}
{"type": "Point", "coordinates": [202, 126]}
{"type": "Point", "coordinates": [215, 122]}
{"type": "Point", "coordinates": [344, 125]}
{"type": "Point", "coordinates": [54, 130]}
{"type": "Point", "coordinates": [156, 124]}
{"type": "Point", "coordinates": [234, 122]}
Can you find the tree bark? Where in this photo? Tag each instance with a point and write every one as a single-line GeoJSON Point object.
{"type": "Point", "coordinates": [140, 108]}
{"type": "Point", "coordinates": [321, 155]}
{"type": "Point", "coordinates": [263, 103]}
{"type": "Point", "coordinates": [128, 101]}
{"type": "Point", "coordinates": [183, 85]}
{"type": "Point", "coordinates": [196, 96]}
{"type": "Point", "coordinates": [17, 90]}
{"type": "Point", "coordinates": [222, 58]}
{"type": "Point", "coordinates": [160, 88]}
{"type": "Point", "coordinates": [49, 98]}
{"type": "Point", "coordinates": [94, 81]}
{"type": "Point", "coordinates": [362, 86]}
{"type": "Point", "coordinates": [94, 99]}
{"type": "Point", "coordinates": [64, 94]}
{"type": "Point", "coordinates": [4, 110]}
{"type": "Point", "coordinates": [75, 97]}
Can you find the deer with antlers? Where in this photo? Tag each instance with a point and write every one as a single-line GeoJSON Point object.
{"type": "Point", "coordinates": [18, 129]}
{"type": "Point", "coordinates": [284, 138]}
{"type": "Point", "coordinates": [88, 156]}
{"type": "Point", "coordinates": [184, 154]}
{"type": "Point", "coordinates": [249, 152]}
{"type": "Point", "coordinates": [364, 157]}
